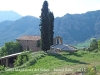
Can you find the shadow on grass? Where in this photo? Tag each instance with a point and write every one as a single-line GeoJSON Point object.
{"type": "Point", "coordinates": [74, 53]}
{"type": "Point", "coordinates": [61, 57]}
{"type": "Point", "coordinates": [78, 55]}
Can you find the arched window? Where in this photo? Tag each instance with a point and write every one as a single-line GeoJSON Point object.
{"type": "Point", "coordinates": [58, 41]}
{"type": "Point", "coordinates": [28, 48]}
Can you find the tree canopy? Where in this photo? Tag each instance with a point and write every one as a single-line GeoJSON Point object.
{"type": "Point", "coordinates": [46, 27]}
{"type": "Point", "coordinates": [10, 48]}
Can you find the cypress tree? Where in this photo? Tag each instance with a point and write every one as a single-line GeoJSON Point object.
{"type": "Point", "coordinates": [46, 27]}
{"type": "Point", "coordinates": [51, 27]}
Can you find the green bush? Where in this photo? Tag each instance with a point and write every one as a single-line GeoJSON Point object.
{"type": "Point", "coordinates": [90, 70]}
{"type": "Point", "coordinates": [21, 59]}
{"type": "Point", "coordinates": [10, 48]}
{"type": "Point", "coordinates": [96, 51]}
{"type": "Point", "coordinates": [93, 45]}
{"type": "Point", "coordinates": [2, 68]}
{"type": "Point", "coordinates": [33, 60]}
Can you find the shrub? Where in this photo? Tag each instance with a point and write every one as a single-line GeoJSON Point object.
{"type": "Point", "coordinates": [34, 60]}
{"type": "Point", "coordinates": [91, 70]}
{"type": "Point", "coordinates": [21, 59]}
{"type": "Point", "coordinates": [10, 48]}
{"type": "Point", "coordinates": [96, 51]}
{"type": "Point", "coordinates": [93, 45]}
{"type": "Point", "coordinates": [2, 68]}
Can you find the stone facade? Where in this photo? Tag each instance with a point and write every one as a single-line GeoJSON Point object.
{"type": "Point", "coordinates": [29, 42]}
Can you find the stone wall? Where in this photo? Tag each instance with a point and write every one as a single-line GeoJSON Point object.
{"type": "Point", "coordinates": [29, 45]}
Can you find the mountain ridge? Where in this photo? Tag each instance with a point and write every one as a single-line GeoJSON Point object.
{"type": "Point", "coordinates": [73, 28]}
{"type": "Point", "coordinates": [9, 15]}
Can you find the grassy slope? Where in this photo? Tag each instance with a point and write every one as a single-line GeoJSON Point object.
{"type": "Point", "coordinates": [60, 61]}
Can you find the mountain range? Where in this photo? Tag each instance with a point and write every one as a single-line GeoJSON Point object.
{"type": "Point", "coordinates": [9, 15]}
{"type": "Point", "coordinates": [73, 28]}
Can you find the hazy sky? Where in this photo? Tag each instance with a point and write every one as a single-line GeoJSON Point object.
{"type": "Point", "coordinates": [58, 7]}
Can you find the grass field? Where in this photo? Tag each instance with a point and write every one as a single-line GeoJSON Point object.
{"type": "Point", "coordinates": [58, 64]}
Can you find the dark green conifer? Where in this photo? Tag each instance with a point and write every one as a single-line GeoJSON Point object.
{"type": "Point", "coordinates": [46, 27]}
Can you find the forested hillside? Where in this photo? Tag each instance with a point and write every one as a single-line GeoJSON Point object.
{"type": "Point", "coordinates": [10, 30]}
{"type": "Point", "coordinates": [74, 28]}
{"type": "Point", "coordinates": [78, 27]}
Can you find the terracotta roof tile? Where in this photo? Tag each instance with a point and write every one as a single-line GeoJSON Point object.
{"type": "Point", "coordinates": [29, 38]}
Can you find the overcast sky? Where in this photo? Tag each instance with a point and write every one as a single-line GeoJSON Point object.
{"type": "Point", "coordinates": [58, 7]}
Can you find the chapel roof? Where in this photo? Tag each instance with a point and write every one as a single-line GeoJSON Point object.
{"type": "Point", "coordinates": [29, 38]}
